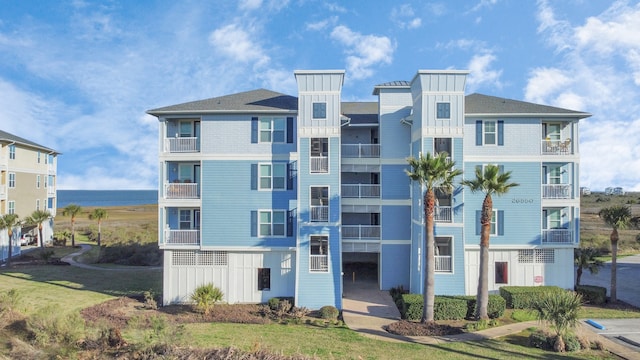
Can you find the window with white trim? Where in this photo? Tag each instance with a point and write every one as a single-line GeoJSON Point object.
{"type": "Point", "coordinates": [319, 110]}
{"type": "Point", "coordinates": [12, 180]}
{"type": "Point", "coordinates": [319, 161]}
{"type": "Point", "coordinates": [37, 181]}
{"type": "Point", "coordinates": [12, 152]}
{"type": "Point", "coordinates": [185, 219]}
{"type": "Point", "coordinates": [272, 176]}
{"type": "Point", "coordinates": [273, 130]}
{"type": "Point", "coordinates": [12, 207]}
{"type": "Point", "coordinates": [490, 132]}
{"type": "Point", "coordinates": [494, 222]}
{"type": "Point", "coordinates": [38, 156]}
{"type": "Point", "coordinates": [319, 253]}
{"type": "Point", "coordinates": [443, 254]}
{"type": "Point", "coordinates": [319, 203]}
{"type": "Point", "coordinates": [37, 204]}
{"type": "Point", "coordinates": [443, 110]}
{"type": "Point", "coordinates": [272, 222]}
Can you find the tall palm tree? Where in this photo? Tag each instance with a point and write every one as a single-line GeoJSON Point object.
{"type": "Point", "coordinates": [9, 221]}
{"type": "Point", "coordinates": [490, 182]}
{"type": "Point", "coordinates": [38, 217]}
{"type": "Point", "coordinates": [72, 210]}
{"type": "Point", "coordinates": [432, 172]}
{"type": "Point", "coordinates": [585, 258]}
{"type": "Point", "coordinates": [618, 217]}
{"type": "Point", "coordinates": [98, 214]}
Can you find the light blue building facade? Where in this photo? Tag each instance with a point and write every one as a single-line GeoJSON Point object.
{"type": "Point", "coordinates": [269, 195]}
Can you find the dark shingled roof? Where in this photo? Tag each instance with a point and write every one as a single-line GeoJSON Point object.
{"type": "Point", "coordinates": [360, 112]}
{"type": "Point", "coordinates": [5, 137]}
{"type": "Point", "coordinates": [260, 100]}
{"type": "Point", "coordinates": [485, 104]}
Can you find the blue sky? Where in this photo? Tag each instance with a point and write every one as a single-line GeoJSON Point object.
{"type": "Point", "coordinates": [78, 76]}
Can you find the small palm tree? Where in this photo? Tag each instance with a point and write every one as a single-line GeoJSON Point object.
{"type": "Point", "coordinates": [560, 309]}
{"type": "Point", "coordinates": [432, 172]}
{"type": "Point", "coordinates": [72, 210]}
{"type": "Point", "coordinates": [38, 217]}
{"type": "Point", "coordinates": [9, 221]}
{"type": "Point", "coordinates": [98, 214]}
{"type": "Point", "coordinates": [585, 258]}
{"type": "Point", "coordinates": [490, 182]}
{"type": "Point", "coordinates": [618, 217]}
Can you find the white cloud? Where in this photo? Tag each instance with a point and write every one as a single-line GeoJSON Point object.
{"type": "Point", "coordinates": [249, 4]}
{"type": "Point", "coordinates": [481, 72]}
{"type": "Point", "coordinates": [363, 51]}
{"type": "Point", "coordinates": [237, 44]}
{"type": "Point", "coordinates": [404, 17]}
{"type": "Point", "coordinates": [334, 7]}
{"type": "Point", "coordinates": [482, 4]}
{"type": "Point", "coordinates": [545, 81]}
{"type": "Point", "coordinates": [322, 24]}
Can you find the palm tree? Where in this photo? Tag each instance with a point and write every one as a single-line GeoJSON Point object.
{"type": "Point", "coordinates": [98, 214]}
{"type": "Point", "coordinates": [618, 217]}
{"type": "Point", "coordinates": [72, 210]}
{"type": "Point", "coordinates": [585, 258]}
{"type": "Point", "coordinates": [37, 218]}
{"type": "Point", "coordinates": [9, 221]}
{"type": "Point", "coordinates": [432, 172]}
{"type": "Point", "coordinates": [560, 309]}
{"type": "Point", "coordinates": [490, 182]}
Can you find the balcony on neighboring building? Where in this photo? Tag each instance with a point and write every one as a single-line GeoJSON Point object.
{"type": "Point", "coordinates": [319, 164]}
{"type": "Point", "coordinates": [360, 150]}
{"type": "Point", "coordinates": [319, 213]}
{"type": "Point", "coordinates": [181, 237]}
{"type": "Point", "coordinates": [181, 190]}
{"type": "Point", "coordinates": [182, 136]}
{"type": "Point", "coordinates": [182, 145]}
{"type": "Point", "coordinates": [360, 191]}
{"type": "Point", "coordinates": [557, 236]}
{"type": "Point", "coordinates": [556, 191]}
{"type": "Point", "coordinates": [443, 263]}
{"type": "Point", "coordinates": [361, 232]}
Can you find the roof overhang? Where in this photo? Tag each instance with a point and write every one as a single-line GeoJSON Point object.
{"type": "Point", "coordinates": [529, 115]}
{"type": "Point", "coordinates": [215, 112]}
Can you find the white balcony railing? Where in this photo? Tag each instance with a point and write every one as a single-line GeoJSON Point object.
{"type": "Point", "coordinates": [556, 147]}
{"type": "Point", "coordinates": [319, 263]}
{"type": "Point", "coordinates": [556, 191]}
{"type": "Point", "coordinates": [360, 150]}
{"type": "Point", "coordinates": [361, 232]}
{"type": "Point", "coordinates": [51, 191]}
{"type": "Point", "coordinates": [319, 164]}
{"type": "Point", "coordinates": [442, 214]}
{"type": "Point", "coordinates": [557, 236]}
{"type": "Point", "coordinates": [443, 263]}
{"type": "Point", "coordinates": [182, 237]}
{"type": "Point", "coordinates": [320, 213]}
{"type": "Point", "coordinates": [181, 191]}
{"type": "Point", "coordinates": [181, 144]}
{"type": "Point", "coordinates": [360, 190]}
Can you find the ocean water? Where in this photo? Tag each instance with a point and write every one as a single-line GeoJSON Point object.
{"type": "Point", "coordinates": [106, 197]}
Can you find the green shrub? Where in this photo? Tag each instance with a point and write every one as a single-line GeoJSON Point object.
{"type": "Point", "coordinates": [397, 292]}
{"type": "Point", "coordinates": [525, 297]}
{"type": "Point", "coordinates": [571, 343]}
{"type": "Point", "coordinates": [52, 325]}
{"type": "Point", "coordinates": [541, 339]}
{"type": "Point", "coordinates": [206, 296]}
{"type": "Point", "coordinates": [273, 303]}
{"type": "Point", "coordinates": [329, 312]}
{"type": "Point", "coordinates": [9, 301]}
{"type": "Point", "coordinates": [449, 308]}
{"type": "Point", "coordinates": [495, 309]}
{"type": "Point", "coordinates": [411, 306]}
{"type": "Point", "coordinates": [591, 294]}
{"type": "Point", "coordinates": [522, 315]}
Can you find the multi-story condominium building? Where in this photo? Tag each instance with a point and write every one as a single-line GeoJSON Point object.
{"type": "Point", "coordinates": [265, 194]}
{"type": "Point", "coordinates": [27, 183]}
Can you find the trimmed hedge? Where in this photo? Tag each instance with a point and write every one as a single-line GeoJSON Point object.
{"type": "Point", "coordinates": [445, 308]}
{"type": "Point", "coordinates": [495, 309]}
{"type": "Point", "coordinates": [591, 294]}
{"type": "Point", "coordinates": [524, 297]}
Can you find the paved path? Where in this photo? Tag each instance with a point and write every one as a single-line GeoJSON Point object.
{"type": "Point", "coordinates": [71, 260]}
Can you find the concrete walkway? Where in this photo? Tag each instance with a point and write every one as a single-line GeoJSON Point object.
{"type": "Point", "coordinates": [368, 310]}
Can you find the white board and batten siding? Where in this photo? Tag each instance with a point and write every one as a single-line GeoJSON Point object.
{"type": "Point", "coordinates": [526, 267]}
{"type": "Point", "coordinates": [235, 273]}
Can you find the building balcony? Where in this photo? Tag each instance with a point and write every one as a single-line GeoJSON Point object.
{"type": "Point", "coordinates": [360, 150]}
{"type": "Point", "coordinates": [556, 147]}
{"type": "Point", "coordinates": [181, 237]}
{"type": "Point", "coordinates": [443, 263]}
{"type": "Point", "coordinates": [182, 145]}
{"type": "Point", "coordinates": [556, 191]}
{"type": "Point", "coordinates": [361, 232]}
{"type": "Point", "coordinates": [181, 191]}
{"type": "Point", "coordinates": [51, 191]}
{"type": "Point", "coordinates": [360, 191]}
{"type": "Point", "coordinates": [319, 213]}
{"type": "Point", "coordinates": [319, 263]}
{"type": "Point", "coordinates": [557, 236]}
{"type": "Point", "coordinates": [319, 164]}
{"type": "Point", "coordinates": [442, 214]}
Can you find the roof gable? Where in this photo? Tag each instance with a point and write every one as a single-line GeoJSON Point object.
{"type": "Point", "coordinates": [10, 138]}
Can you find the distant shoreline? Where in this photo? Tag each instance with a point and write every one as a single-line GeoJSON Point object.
{"type": "Point", "coordinates": [106, 198]}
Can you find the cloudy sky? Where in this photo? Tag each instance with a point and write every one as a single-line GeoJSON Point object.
{"type": "Point", "coordinates": [78, 76]}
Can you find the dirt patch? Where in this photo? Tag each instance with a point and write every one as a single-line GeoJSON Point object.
{"type": "Point", "coordinates": [410, 328]}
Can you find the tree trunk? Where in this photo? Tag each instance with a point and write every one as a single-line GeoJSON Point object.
{"type": "Point", "coordinates": [73, 233]}
{"type": "Point", "coordinates": [430, 266]}
{"type": "Point", "coordinates": [99, 233]}
{"type": "Point", "coordinates": [41, 237]}
{"type": "Point", "coordinates": [482, 299]}
{"type": "Point", "coordinates": [578, 276]}
{"type": "Point", "coordinates": [614, 261]}
{"type": "Point", "coordinates": [10, 233]}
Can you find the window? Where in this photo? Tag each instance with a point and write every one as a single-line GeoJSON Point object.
{"type": "Point", "coordinates": [443, 254]}
{"type": "Point", "coordinates": [272, 223]}
{"type": "Point", "coordinates": [46, 181]}
{"type": "Point", "coordinates": [320, 110]}
{"type": "Point", "coordinates": [502, 272]}
{"type": "Point", "coordinates": [319, 253]}
{"type": "Point", "coordinates": [443, 110]}
{"type": "Point", "coordinates": [37, 204]}
{"type": "Point", "coordinates": [489, 133]}
{"type": "Point", "coordinates": [264, 279]}
{"type": "Point", "coordinates": [185, 219]}
{"type": "Point", "coordinates": [319, 161]}
{"type": "Point", "coordinates": [38, 157]}
{"type": "Point", "coordinates": [38, 182]}
{"type": "Point", "coordinates": [494, 222]}
{"type": "Point", "coordinates": [273, 176]}
{"type": "Point", "coordinates": [12, 207]}
{"type": "Point", "coordinates": [12, 180]}
{"type": "Point", "coordinates": [272, 130]}
{"type": "Point", "coordinates": [12, 152]}
{"type": "Point", "coordinates": [319, 203]}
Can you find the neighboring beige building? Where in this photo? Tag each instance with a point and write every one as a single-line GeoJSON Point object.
{"type": "Point", "coordinates": [27, 183]}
